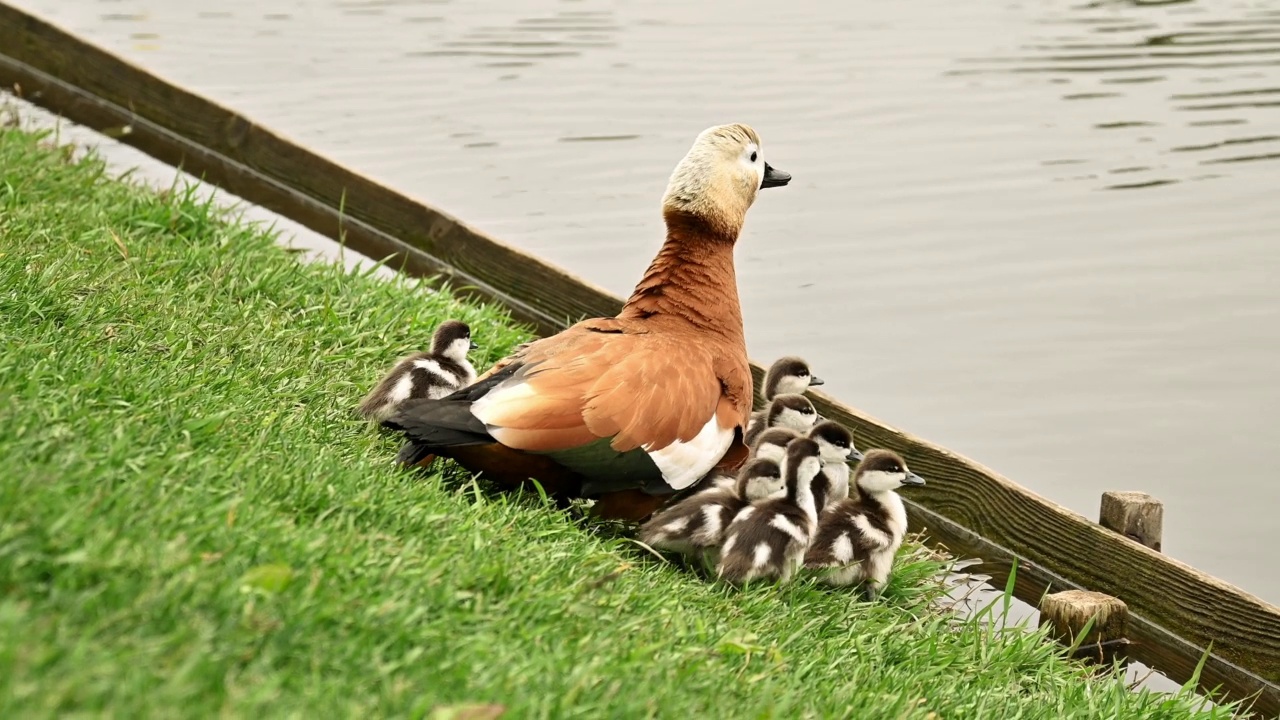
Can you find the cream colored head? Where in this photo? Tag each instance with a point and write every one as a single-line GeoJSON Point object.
{"type": "Point", "coordinates": [719, 177]}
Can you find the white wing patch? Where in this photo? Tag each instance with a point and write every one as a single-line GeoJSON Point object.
{"type": "Point", "coordinates": [761, 556]}
{"type": "Point", "coordinates": [711, 524]}
{"type": "Point", "coordinates": [401, 390]}
{"type": "Point", "coordinates": [842, 548]}
{"type": "Point", "coordinates": [675, 526]}
{"type": "Point", "coordinates": [782, 523]}
{"type": "Point", "coordinates": [683, 463]}
{"type": "Point", "coordinates": [872, 533]}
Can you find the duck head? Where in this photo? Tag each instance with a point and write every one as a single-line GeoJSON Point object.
{"type": "Point", "coordinates": [772, 443]}
{"type": "Point", "coordinates": [882, 471]}
{"type": "Point", "coordinates": [452, 340]}
{"type": "Point", "coordinates": [835, 442]}
{"type": "Point", "coordinates": [759, 478]}
{"type": "Point", "coordinates": [789, 375]}
{"type": "Point", "coordinates": [719, 177]}
{"type": "Point", "coordinates": [791, 411]}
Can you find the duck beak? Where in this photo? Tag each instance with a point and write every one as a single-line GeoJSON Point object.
{"type": "Point", "coordinates": [913, 479]}
{"type": "Point", "coordinates": [815, 380]}
{"type": "Point", "coordinates": [856, 456]}
{"type": "Point", "coordinates": [774, 178]}
{"type": "Point", "coordinates": [474, 346]}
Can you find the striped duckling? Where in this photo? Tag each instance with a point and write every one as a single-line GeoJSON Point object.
{"type": "Point", "coordinates": [788, 410]}
{"type": "Point", "coordinates": [835, 444]}
{"type": "Point", "coordinates": [695, 526]}
{"type": "Point", "coordinates": [768, 539]}
{"type": "Point", "coordinates": [857, 538]}
{"type": "Point", "coordinates": [432, 375]}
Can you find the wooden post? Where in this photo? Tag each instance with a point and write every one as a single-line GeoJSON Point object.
{"type": "Point", "coordinates": [1136, 515]}
{"type": "Point", "coordinates": [1066, 613]}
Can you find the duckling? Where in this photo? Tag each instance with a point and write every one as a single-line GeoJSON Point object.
{"type": "Point", "coordinates": [433, 374]}
{"type": "Point", "coordinates": [695, 526]}
{"type": "Point", "coordinates": [772, 443]}
{"type": "Point", "coordinates": [630, 409]}
{"type": "Point", "coordinates": [788, 410]}
{"type": "Point", "coordinates": [788, 376]}
{"type": "Point", "coordinates": [768, 539]}
{"type": "Point", "coordinates": [857, 538]}
{"type": "Point", "coordinates": [836, 447]}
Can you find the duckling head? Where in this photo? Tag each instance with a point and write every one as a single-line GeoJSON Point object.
{"type": "Point", "coordinates": [835, 442]}
{"type": "Point", "coordinates": [719, 177]}
{"type": "Point", "coordinates": [882, 471]}
{"type": "Point", "coordinates": [792, 411]}
{"type": "Point", "coordinates": [452, 340]}
{"type": "Point", "coordinates": [772, 443]}
{"type": "Point", "coordinates": [789, 375]}
{"type": "Point", "coordinates": [759, 478]}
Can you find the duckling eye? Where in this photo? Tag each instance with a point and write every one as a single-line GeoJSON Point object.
{"type": "Point", "coordinates": [754, 155]}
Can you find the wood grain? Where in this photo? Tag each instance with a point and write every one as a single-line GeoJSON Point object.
{"type": "Point", "coordinates": [1175, 610]}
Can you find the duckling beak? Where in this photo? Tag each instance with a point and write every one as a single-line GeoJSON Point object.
{"type": "Point", "coordinates": [913, 479]}
{"type": "Point", "coordinates": [474, 346]}
{"type": "Point", "coordinates": [815, 380]}
{"type": "Point", "coordinates": [856, 456]}
{"type": "Point", "coordinates": [774, 178]}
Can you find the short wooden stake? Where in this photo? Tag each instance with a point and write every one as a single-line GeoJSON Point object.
{"type": "Point", "coordinates": [1066, 613]}
{"type": "Point", "coordinates": [1136, 515]}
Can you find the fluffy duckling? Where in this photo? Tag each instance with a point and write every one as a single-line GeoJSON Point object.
{"type": "Point", "coordinates": [835, 444]}
{"type": "Point", "coordinates": [857, 538]}
{"type": "Point", "coordinates": [768, 539]}
{"type": "Point", "coordinates": [789, 411]}
{"type": "Point", "coordinates": [772, 443]}
{"type": "Point", "coordinates": [432, 374]}
{"type": "Point", "coordinates": [695, 526]}
{"type": "Point", "coordinates": [788, 376]}
{"type": "Point", "coordinates": [634, 408]}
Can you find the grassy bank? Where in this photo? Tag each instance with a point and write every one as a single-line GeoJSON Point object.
{"type": "Point", "coordinates": [193, 523]}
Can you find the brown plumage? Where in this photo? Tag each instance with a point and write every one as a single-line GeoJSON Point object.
{"type": "Point", "coordinates": [636, 406]}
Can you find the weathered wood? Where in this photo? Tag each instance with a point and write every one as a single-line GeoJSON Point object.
{"type": "Point", "coordinates": [1175, 610]}
{"type": "Point", "coordinates": [1150, 643]}
{"type": "Point", "coordinates": [1068, 613]}
{"type": "Point", "coordinates": [1136, 515]}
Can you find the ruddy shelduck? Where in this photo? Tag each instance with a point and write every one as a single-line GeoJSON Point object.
{"type": "Point", "coordinates": [633, 408]}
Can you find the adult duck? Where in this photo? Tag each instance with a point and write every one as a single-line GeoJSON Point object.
{"type": "Point", "coordinates": [633, 408]}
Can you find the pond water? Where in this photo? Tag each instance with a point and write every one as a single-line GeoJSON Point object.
{"type": "Point", "coordinates": [1043, 234]}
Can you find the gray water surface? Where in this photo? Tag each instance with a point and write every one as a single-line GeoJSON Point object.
{"type": "Point", "coordinates": [1043, 234]}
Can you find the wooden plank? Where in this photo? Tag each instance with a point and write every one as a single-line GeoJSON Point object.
{"type": "Point", "coordinates": [1151, 644]}
{"type": "Point", "coordinates": [1176, 609]}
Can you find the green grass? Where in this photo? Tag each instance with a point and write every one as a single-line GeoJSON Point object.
{"type": "Point", "coordinates": [193, 523]}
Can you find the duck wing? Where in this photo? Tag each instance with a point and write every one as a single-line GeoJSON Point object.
{"type": "Point", "coordinates": [680, 404]}
{"type": "Point", "coordinates": [618, 401]}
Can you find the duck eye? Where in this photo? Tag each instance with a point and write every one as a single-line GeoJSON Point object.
{"type": "Point", "coordinates": [754, 155]}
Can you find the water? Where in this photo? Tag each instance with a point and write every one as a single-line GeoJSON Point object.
{"type": "Point", "coordinates": [1043, 234]}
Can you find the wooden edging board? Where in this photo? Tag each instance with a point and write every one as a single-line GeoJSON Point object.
{"type": "Point", "coordinates": [1176, 611]}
